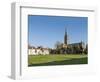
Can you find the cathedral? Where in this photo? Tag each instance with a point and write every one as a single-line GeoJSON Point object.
{"type": "Point", "coordinates": [63, 48]}
{"type": "Point", "coordinates": [73, 48]}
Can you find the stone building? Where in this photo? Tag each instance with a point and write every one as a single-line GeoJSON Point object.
{"type": "Point", "coordinates": [38, 51]}
{"type": "Point", "coordinates": [73, 48]}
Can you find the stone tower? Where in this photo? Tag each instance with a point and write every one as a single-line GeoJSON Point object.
{"type": "Point", "coordinates": [65, 37]}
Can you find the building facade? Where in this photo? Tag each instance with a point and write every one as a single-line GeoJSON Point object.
{"type": "Point", "coordinates": [38, 51]}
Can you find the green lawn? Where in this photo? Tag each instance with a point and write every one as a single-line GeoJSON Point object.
{"type": "Point", "coordinates": [44, 60]}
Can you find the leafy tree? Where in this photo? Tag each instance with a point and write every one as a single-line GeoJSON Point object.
{"type": "Point", "coordinates": [86, 50]}
{"type": "Point", "coordinates": [58, 44]}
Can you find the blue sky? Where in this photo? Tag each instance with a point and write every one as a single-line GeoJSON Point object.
{"type": "Point", "coordinates": [47, 30]}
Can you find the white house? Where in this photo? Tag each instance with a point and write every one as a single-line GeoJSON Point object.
{"type": "Point", "coordinates": [38, 51]}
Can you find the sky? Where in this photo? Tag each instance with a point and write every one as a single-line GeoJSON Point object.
{"type": "Point", "coordinates": [47, 30]}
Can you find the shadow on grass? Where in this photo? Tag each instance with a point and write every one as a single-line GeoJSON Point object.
{"type": "Point", "coordinates": [64, 62]}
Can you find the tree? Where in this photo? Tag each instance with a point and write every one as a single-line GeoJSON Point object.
{"type": "Point", "coordinates": [86, 49]}
{"type": "Point", "coordinates": [58, 45]}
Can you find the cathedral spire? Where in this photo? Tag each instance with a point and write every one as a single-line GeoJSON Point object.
{"type": "Point", "coordinates": [65, 37]}
{"type": "Point", "coordinates": [65, 31]}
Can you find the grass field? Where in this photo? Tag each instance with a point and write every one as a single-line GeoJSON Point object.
{"type": "Point", "coordinates": [45, 60]}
